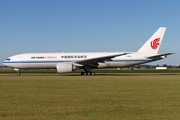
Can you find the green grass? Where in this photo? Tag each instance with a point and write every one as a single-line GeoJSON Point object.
{"type": "Point", "coordinates": [89, 97]}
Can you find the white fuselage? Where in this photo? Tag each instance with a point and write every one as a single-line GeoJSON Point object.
{"type": "Point", "coordinates": [50, 60]}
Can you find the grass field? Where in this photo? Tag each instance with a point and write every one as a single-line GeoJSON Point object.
{"type": "Point", "coordinates": [89, 97]}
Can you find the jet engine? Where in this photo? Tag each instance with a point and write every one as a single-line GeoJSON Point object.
{"type": "Point", "coordinates": [65, 67]}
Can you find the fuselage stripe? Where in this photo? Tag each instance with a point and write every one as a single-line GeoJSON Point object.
{"type": "Point", "coordinates": [71, 61]}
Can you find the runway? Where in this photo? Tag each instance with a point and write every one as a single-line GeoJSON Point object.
{"type": "Point", "coordinates": [108, 74]}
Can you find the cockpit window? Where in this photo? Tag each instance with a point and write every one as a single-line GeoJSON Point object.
{"type": "Point", "coordinates": [8, 59]}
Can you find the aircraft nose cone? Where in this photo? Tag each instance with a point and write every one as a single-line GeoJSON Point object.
{"type": "Point", "coordinates": [5, 63]}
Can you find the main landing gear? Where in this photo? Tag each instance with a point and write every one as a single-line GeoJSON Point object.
{"type": "Point", "coordinates": [87, 70]}
{"type": "Point", "coordinates": [89, 73]}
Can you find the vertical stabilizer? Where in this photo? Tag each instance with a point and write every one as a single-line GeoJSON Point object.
{"type": "Point", "coordinates": [153, 44]}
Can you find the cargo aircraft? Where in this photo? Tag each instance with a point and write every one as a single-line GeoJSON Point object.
{"type": "Point", "coordinates": [68, 62]}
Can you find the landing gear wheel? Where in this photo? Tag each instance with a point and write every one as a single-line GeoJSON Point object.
{"type": "Point", "coordinates": [83, 73]}
{"type": "Point", "coordinates": [89, 73]}
{"type": "Point", "coordinates": [92, 73]}
{"type": "Point", "coordinates": [18, 74]}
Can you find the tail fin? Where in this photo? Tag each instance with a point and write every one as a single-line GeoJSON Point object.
{"type": "Point", "coordinates": [153, 44]}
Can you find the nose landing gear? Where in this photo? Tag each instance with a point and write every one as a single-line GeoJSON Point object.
{"type": "Point", "coordinates": [18, 71]}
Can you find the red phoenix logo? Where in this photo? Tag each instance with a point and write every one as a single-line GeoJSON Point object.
{"type": "Point", "coordinates": [155, 43]}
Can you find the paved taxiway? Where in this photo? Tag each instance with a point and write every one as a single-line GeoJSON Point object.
{"type": "Point", "coordinates": [98, 75]}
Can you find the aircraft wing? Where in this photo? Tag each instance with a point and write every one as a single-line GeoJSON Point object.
{"type": "Point", "coordinates": [159, 56]}
{"type": "Point", "coordinates": [95, 61]}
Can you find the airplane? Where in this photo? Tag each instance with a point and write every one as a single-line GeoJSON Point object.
{"type": "Point", "coordinates": [68, 62]}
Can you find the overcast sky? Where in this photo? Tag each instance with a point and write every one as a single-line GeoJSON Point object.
{"type": "Point", "coordinates": [35, 26]}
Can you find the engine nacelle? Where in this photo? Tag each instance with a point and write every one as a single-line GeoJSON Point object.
{"type": "Point", "coordinates": [65, 67]}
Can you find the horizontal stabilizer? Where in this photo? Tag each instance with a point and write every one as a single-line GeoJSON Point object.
{"type": "Point", "coordinates": [159, 55]}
